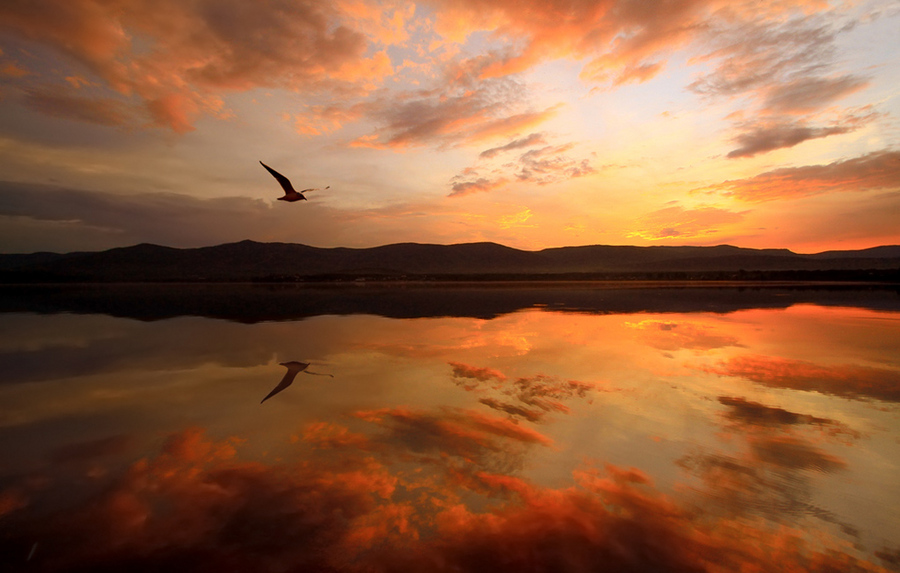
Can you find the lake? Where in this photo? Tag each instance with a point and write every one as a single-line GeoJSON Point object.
{"type": "Point", "coordinates": [449, 428]}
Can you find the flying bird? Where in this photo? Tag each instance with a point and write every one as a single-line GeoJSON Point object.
{"type": "Point", "coordinates": [293, 367]}
{"type": "Point", "coordinates": [290, 194]}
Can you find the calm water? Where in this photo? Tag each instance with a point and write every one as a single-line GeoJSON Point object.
{"type": "Point", "coordinates": [530, 429]}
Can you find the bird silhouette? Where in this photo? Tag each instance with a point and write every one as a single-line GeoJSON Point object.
{"type": "Point", "coordinates": [290, 194]}
{"type": "Point", "coordinates": [293, 367]}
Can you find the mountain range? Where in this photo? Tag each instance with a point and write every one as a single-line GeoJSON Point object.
{"type": "Point", "coordinates": [285, 262]}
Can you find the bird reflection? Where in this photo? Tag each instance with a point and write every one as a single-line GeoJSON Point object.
{"type": "Point", "coordinates": [290, 194]}
{"type": "Point", "coordinates": [293, 367]}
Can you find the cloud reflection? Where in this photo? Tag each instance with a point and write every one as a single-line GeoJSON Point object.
{"type": "Point", "coordinates": [844, 380]}
{"type": "Point", "coordinates": [526, 398]}
{"type": "Point", "coordinates": [196, 505]}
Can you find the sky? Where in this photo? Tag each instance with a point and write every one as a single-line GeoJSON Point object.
{"type": "Point", "coordinates": [531, 123]}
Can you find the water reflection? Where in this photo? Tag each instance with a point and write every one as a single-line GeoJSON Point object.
{"type": "Point", "coordinates": [760, 439]}
{"type": "Point", "coordinates": [293, 368]}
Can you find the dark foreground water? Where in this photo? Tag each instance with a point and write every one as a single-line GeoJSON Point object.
{"type": "Point", "coordinates": [537, 428]}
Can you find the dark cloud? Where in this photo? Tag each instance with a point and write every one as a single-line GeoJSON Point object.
{"type": "Point", "coordinates": [461, 188]}
{"type": "Point", "coordinates": [533, 139]}
{"type": "Point", "coordinates": [54, 218]}
{"type": "Point", "coordinates": [768, 137]}
{"type": "Point", "coordinates": [876, 170]}
{"type": "Point", "coordinates": [162, 218]}
{"type": "Point", "coordinates": [793, 453]}
{"type": "Point", "coordinates": [810, 93]}
{"type": "Point", "coordinates": [101, 111]}
{"type": "Point", "coordinates": [755, 415]}
{"type": "Point", "coordinates": [475, 373]}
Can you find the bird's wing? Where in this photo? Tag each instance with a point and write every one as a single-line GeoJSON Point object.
{"type": "Point", "coordinates": [286, 381]}
{"type": "Point", "coordinates": [284, 181]}
{"type": "Point", "coordinates": [313, 189]}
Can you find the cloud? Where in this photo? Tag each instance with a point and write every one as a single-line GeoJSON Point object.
{"type": "Point", "coordinates": [464, 110]}
{"type": "Point", "coordinates": [462, 188]}
{"type": "Point", "coordinates": [677, 221]}
{"type": "Point", "coordinates": [178, 58]}
{"type": "Point", "coordinates": [810, 94]}
{"type": "Point", "coordinates": [768, 137]}
{"type": "Point", "coordinates": [542, 166]}
{"type": "Point", "coordinates": [530, 140]}
{"type": "Point", "coordinates": [770, 57]}
{"type": "Point", "coordinates": [624, 40]}
{"type": "Point", "coordinates": [843, 380]}
{"type": "Point", "coordinates": [549, 165]}
{"type": "Point", "coordinates": [876, 170]}
{"type": "Point", "coordinates": [786, 68]}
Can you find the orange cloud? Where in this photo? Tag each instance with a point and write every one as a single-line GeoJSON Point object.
{"type": "Point", "coordinates": [189, 53]}
{"type": "Point", "coordinates": [195, 505]}
{"type": "Point", "coordinates": [877, 170]}
{"type": "Point", "coordinates": [625, 38]}
{"type": "Point", "coordinates": [845, 380]}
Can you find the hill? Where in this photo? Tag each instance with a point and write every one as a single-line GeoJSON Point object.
{"type": "Point", "coordinates": [252, 261]}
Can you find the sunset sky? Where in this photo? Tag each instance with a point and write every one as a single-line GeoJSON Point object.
{"type": "Point", "coordinates": [531, 123]}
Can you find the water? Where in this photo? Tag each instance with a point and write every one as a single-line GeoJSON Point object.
{"type": "Point", "coordinates": [539, 428]}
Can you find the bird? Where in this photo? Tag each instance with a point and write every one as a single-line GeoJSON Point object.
{"type": "Point", "coordinates": [293, 367]}
{"type": "Point", "coordinates": [290, 194]}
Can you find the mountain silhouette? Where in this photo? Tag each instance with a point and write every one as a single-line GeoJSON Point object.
{"type": "Point", "coordinates": [253, 261]}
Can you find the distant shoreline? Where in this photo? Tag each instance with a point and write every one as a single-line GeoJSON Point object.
{"type": "Point", "coordinates": [463, 283]}
{"type": "Point", "coordinates": [407, 263]}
